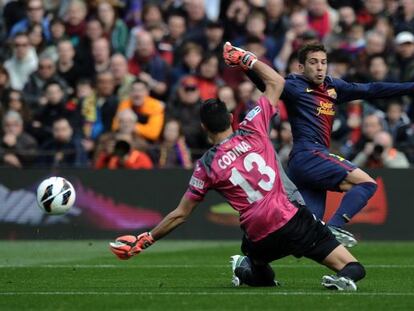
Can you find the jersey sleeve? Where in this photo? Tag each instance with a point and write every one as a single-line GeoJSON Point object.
{"type": "Point", "coordinates": [258, 119]}
{"type": "Point", "coordinates": [289, 91]}
{"type": "Point", "coordinates": [351, 91]}
{"type": "Point", "coordinates": [199, 183]}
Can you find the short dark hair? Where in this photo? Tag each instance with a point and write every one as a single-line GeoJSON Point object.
{"type": "Point", "coordinates": [214, 115]}
{"type": "Point", "coordinates": [310, 48]}
{"type": "Point", "coordinates": [139, 81]}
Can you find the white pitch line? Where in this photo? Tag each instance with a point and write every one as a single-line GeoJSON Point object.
{"type": "Point", "coordinates": [215, 293]}
{"type": "Point", "coordinates": [120, 266]}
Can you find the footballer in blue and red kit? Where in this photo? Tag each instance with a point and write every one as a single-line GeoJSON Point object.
{"type": "Point", "coordinates": [311, 100]}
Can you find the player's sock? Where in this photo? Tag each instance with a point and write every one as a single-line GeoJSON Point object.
{"type": "Point", "coordinates": [353, 201]}
{"type": "Point", "coordinates": [353, 270]}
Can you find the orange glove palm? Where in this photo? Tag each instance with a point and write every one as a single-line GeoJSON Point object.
{"type": "Point", "coordinates": [234, 56]}
{"type": "Point", "coordinates": [128, 246]}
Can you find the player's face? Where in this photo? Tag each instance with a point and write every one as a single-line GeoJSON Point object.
{"type": "Point", "coordinates": [315, 67]}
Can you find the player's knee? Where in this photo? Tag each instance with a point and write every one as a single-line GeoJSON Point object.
{"type": "Point", "coordinates": [371, 187]}
{"type": "Point", "coordinates": [353, 270]}
{"type": "Point", "coordinates": [265, 274]}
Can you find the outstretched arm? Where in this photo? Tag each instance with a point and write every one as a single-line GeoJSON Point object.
{"type": "Point", "coordinates": [350, 91]}
{"type": "Point", "coordinates": [175, 218]}
{"type": "Point", "coordinates": [272, 81]}
{"type": "Point", "coordinates": [129, 245]}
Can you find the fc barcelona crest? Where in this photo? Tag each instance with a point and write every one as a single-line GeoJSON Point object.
{"type": "Point", "coordinates": [332, 93]}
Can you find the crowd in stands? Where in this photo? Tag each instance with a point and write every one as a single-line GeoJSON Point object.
{"type": "Point", "coordinates": [118, 83]}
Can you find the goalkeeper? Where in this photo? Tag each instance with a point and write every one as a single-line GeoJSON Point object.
{"type": "Point", "coordinates": [243, 167]}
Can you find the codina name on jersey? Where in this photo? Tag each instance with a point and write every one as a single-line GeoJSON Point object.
{"type": "Point", "coordinates": [230, 156]}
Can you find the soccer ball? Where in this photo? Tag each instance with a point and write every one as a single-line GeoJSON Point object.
{"type": "Point", "coordinates": [55, 195]}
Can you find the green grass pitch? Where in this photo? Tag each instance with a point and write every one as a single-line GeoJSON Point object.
{"type": "Point", "coordinates": [189, 275]}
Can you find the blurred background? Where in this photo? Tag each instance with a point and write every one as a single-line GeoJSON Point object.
{"type": "Point", "coordinates": [106, 93]}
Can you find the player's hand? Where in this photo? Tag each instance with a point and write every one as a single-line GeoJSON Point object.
{"type": "Point", "coordinates": [234, 56]}
{"type": "Point", "coordinates": [128, 246]}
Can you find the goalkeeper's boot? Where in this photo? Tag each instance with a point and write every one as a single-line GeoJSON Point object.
{"type": "Point", "coordinates": [338, 283]}
{"type": "Point", "coordinates": [236, 261]}
{"type": "Point", "coordinates": [344, 237]}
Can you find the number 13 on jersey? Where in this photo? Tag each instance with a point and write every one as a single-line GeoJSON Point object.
{"type": "Point", "coordinates": [237, 179]}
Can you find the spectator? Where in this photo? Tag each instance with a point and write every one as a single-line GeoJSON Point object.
{"type": "Point", "coordinates": [126, 130]}
{"type": "Point", "coordinates": [355, 42]}
{"type": "Point", "coordinates": [149, 111]}
{"type": "Point", "coordinates": [123, 79]}
{"type": "Point", "coordinates": [151, 17]}
{"type": "Point", "coordinates": [170, 47]}
{"type": "Point", "coordinates": [375, 44]}
{"type": "Point", "coordinates": [148, 66]}
{"type": "Point", "coordinates": [404, 17]}
{"type": "Point", "coordinates": [18, 148]}
{"type": "Point", "coordinates": [13, 12]}
{"type": "Point", "coordinates": [14, 102]}
{"type": "Point", "coordinates": [339, 64]}
{"type": "Point", "coordinates": [196, 19]}
{"type": "Point", "coordinates": [371, 125]}
{"type": "Point", "coordinates": [63, 149]}
{"type": "Point", "coordinates": [189, 62]}
{"type": "Point", "coordinates": [255, 27]}
{"type": "Point", "coordinates": [124, 156]}
{"type": "Point", "coordinates": [115, 29]}
{"type": "Point", "coordinates": [321, 17]}
{"type": "Point", "coordinates": [380, 153]}
{"type": "Point", "coordinates": [383, 25]}
{"type": "Point", "coordinates": [370, 12]}
{"type": "Point", "coordinates": [101, 54]}
{"type": "Point", "coordinates": [33, 89]}
{"type": "Point", "coordinates": [404, 66]}
{"type": "Point", "coordinates": [35, 15]}
{"type": "Point", "coordinates": [83, 88]}
{"type": "Point", "coordinates": [277, 21]}
{"type": "Point", "coordinates": [4, 83]}
{"type": "Point", "coordinates": [75, 22]}
{"type": "Point", "coordinates": [208, 79]}
{"type": "Point", "coordinates": [185, 108]}
{"type": "Point", "coordinates": [245, 102]}
{"type": "Point", "coordinates": [23, 62]}
{"type": "Point", "coordinates": [172, 150]}
{"type": "Point", "coordinates": [226, 95]}
{"type": "Point", "coordinates": [57, 30]}
{"type": "Point", "coordinates": [67, 68]}
{"type": "Point", "coordinates": [378, 69]}
{"type": "Point", "coordinates": [396, 120]}
{"type": "Point", "coordinates": [83, 55]}
{"type": "Point", "coordinates": [339, 35]}
{"type": "Point", "coordinates": [53, 108]}
{"type": "Point", "coordinates": [235, 18]}
{"type": "Point", "coordinates": [297, 27]}
{"type": "Point", "coordinates": [98, 109]}
{"type": "Point", "coordinates": [37, 39]}
{"type": "Point", "coordinates": [213, 38]}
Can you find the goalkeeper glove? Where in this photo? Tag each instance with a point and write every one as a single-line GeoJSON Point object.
{"type": "Point", "coordinates": [234, 56]}
{"type": "Point", "coordinates": [127, 246]}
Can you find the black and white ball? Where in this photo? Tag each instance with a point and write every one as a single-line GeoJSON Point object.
{"type": "Point", "coordinates": [55, 195]}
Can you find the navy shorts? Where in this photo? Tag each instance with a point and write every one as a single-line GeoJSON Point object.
{"type": "Point", "coordinates": [318, 169]}
{"type": "Point", "coordinates": [302, 236]}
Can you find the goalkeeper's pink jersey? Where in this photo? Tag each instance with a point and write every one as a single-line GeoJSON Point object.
{"type": "Point", "coordinates": [245, 170]}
